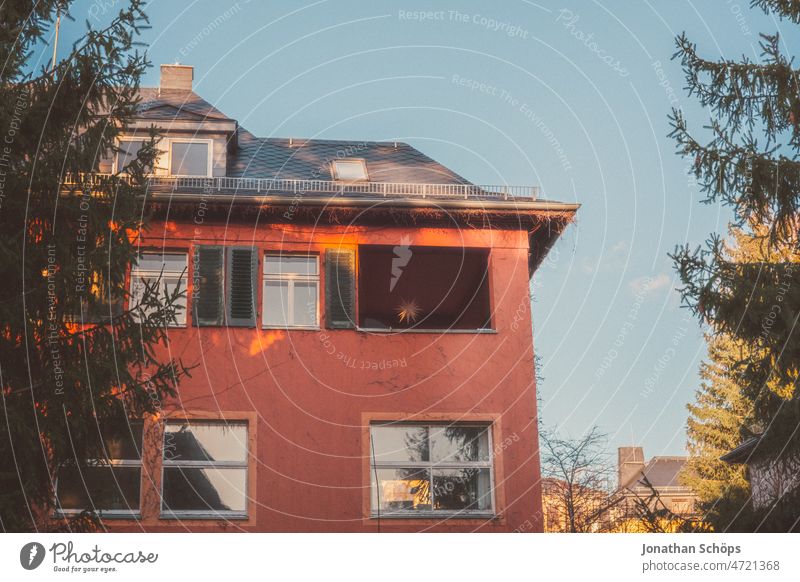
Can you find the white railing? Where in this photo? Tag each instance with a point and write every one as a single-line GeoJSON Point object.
{"type": "Point", "coordinates": [266, 186]}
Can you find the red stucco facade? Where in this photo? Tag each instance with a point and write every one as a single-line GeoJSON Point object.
{"type": "Point", "coordinates": [309, 395]}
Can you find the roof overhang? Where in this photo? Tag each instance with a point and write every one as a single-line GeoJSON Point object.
{"type": "Point", "coordinates": [206, 125]}
{"type": "Point", "coordinates": [544, 220]}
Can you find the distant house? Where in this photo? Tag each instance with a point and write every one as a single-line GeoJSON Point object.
{"type": "Point", "coordinates": [594, 510]}
{"type": "Point", "coordinates": [360, 317]}
{"type": "Point", "coordinates": [661, 473]}
{"type": "Point", "coordinates": [770, 479]}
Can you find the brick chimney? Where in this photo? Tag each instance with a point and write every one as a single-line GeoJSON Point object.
{"type": "Point", "coordinates": [177, 77]}
{"type": "Point", "coordinates": [630, 463]}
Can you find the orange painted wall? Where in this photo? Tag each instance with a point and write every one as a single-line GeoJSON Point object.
{"type": "Point", "coordinates": [309, 395]}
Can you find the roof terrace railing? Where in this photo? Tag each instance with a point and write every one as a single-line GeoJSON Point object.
{"type": "Point", "coordinates": [266, 186]}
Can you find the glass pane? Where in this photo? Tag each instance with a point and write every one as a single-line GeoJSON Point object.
{"type": "Point", "coordinates": [174, 263]}
{"type": "Point", "coordinates": [350, 170]}
{"type": "Point", "coordinates": [204, 489]}
{"type": "Point", "coordinates": [276, 303]}
{"type": "Point", "coordinates": [459, 443]}
{"type": "Point", "coordinates": [458, 489]}
{"type": "Point", "coordinates": [167, 286]}
{"type": "Point", "coordinates": [205, 441]}
{"type": "Point", "coordinates": [124, 442]}
{"type": "Point", "coordinates": [189, 159]}
{"type": "Point", "coordinates": [305, 303]}
{"type": "Point", "coordinates": [100, 488]}
{"type": "Point", "coordinates": [127, 153]}
{"type": "Point", "coordinates": [401, 490]}
{"type": "Point", "coordinates": [400, 443]}
{"type": "Point", "coordinates": [290, 265]}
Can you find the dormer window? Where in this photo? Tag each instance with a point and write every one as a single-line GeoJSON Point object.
{"type": "Point", "coordinates": [189, 157]}
{"type": "Point", "coordinates": [128, 151]}
{"type": "Point", "coordinates": [352, 170]}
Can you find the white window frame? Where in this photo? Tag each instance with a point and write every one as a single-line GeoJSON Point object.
{"type": "Point", "coordinates": [209, 161]}
{"type": "Point", "coordinates": [137, 273]}
{"type": "Point", "coordinates": [108, 513]}
{"type": "Point", "coordinates": [430, 466]}
{"type": "Point", "coordinates": [335, 170]}
{"type": "Point", "coordinates": [291, 278]}
{"type": "Point", "coordinates": [171, 463]}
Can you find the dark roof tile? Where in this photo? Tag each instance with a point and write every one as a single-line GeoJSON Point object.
{"type": "Point", "coordinates": [301, 159]}
{"type": "Point", "coordinates": [663, 471]}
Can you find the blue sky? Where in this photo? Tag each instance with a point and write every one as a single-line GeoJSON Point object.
{"type": "Point", "coordinates": [572, 96]}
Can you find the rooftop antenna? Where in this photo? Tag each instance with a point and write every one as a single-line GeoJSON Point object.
{"type": "Point", "coordinates": [55, 41]}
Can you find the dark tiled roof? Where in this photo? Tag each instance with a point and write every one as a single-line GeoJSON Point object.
{"type": "Point", "coordinates": [300, 159]}
{"type": "Point", "coordinates": [176, 104]}
{"type": "Point", "coordinates": [663, 471]}
{"type": "Point", "coordinates": [744, 452]}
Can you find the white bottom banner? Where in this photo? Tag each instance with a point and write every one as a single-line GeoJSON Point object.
{"type": "Point", "coordinates": [400, 557]}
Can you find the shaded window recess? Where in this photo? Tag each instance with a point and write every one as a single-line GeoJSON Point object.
{"type": "Point", "coordinates": [109, 485]}
{"type": "Point", "coordinates": [423, 288]}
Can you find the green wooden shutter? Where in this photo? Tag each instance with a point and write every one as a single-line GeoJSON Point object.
{"type": "Point", "coordinates": [340, 288]}
{"type": "Point", "coordinates": [208, 285]}
{"type": "Point", "coordinates": [241, 293]}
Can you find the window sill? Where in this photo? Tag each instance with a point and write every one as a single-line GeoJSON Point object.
{"type": "Point", "coordinates": [189, 515]}
{"type": "Point", "coordinates": [390, 331]}
{"type": "Point", "coordinates": [438, 515]}
{"type": "Point", "coordinates": [291, 328]}
{"type": "Point", "coordinates": [104, 515]}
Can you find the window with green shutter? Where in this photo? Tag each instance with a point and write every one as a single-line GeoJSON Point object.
{"type": "Point", "coordinates": [241, 287]}
{"type": "Point", "coordinates": [208, 284]}
{"type": "Point", "coordinates": [224, 286]}
{"type": "Point", "coordinates": [340, 288]}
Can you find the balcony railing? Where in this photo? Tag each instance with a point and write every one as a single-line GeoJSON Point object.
{"type": "Point", "coordinates": [269, 186]}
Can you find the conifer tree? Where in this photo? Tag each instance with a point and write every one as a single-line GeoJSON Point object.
{"type": "Point", "coordinates": [718, 417]}
{"type": "Point", "coordinates": [72, 359]}
{"type": "Point", "coordinates": [748, 160]}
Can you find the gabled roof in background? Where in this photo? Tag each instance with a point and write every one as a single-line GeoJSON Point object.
{"type": "Point", "coordinates": [663, 471]}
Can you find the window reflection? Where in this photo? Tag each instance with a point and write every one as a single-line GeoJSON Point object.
{"type": "Point", "coordinates": [457, 489]}
{"type": "Point", "coordinates": [205, 468]}
{"type": "Point", "coordinates": [195, 489]}
{"type": "Point", "coordinates": [189, 159]}
{"type": "Point", "coordinates": [459, 443]}
{"type": "Point", "coordinates": [205, 441]}
{"type": "Point", "coordinates": [400, 443]}
{"type": "Point", "coordinates": [430, 468]}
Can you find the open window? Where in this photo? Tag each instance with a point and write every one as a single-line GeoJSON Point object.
{"type": "Point", "coordinates": [423, 288]}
